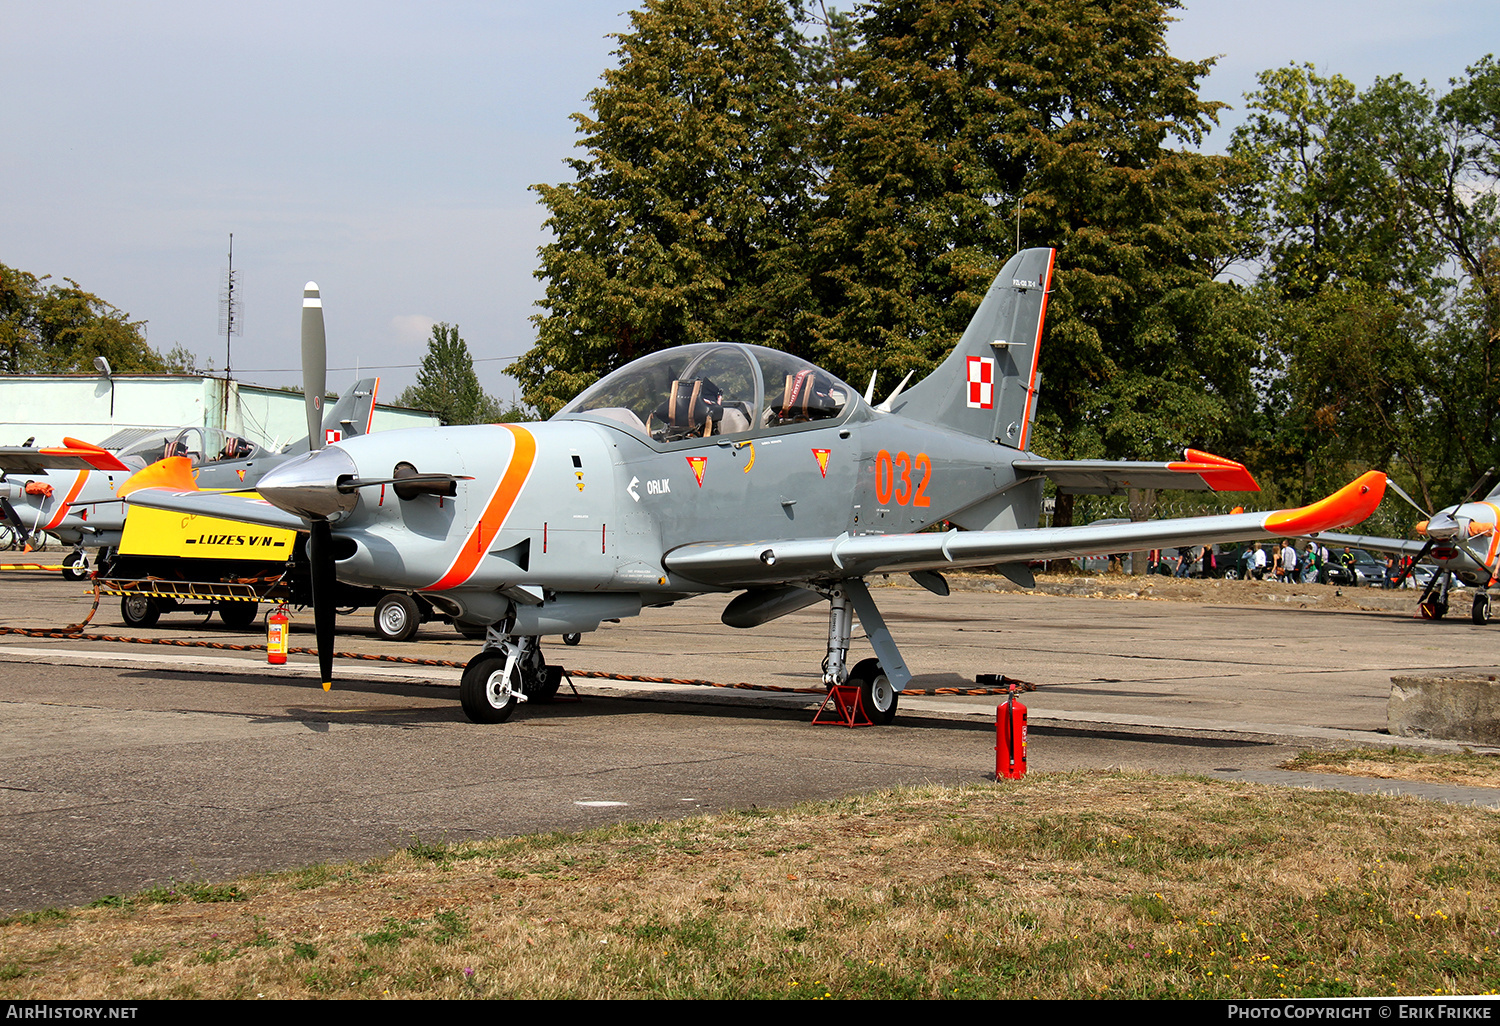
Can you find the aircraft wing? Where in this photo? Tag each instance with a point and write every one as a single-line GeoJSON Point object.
{"type": "Point", "coordinates": [1400, 546]}
{"type": "Point", "coordinates": [1197, 471]}
{"type": "Point", "coordinates": [72, 455]}
{"type": "Point", "coordinates": [777, 562]}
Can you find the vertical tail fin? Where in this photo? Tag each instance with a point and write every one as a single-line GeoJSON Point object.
{"type": "Point", "coordinates": [987, 386]}
{"type": "Point", "coordinates": [348, 417]}
{"type": "Point", "coordinates": [354, 412]}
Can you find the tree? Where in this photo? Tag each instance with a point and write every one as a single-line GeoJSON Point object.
{"type": "Point", "coordinates": [962, 116]}
{"type": "Point", "coordinates": [446, 382]}
{"type": "Point", "coordinates": [1373, 216]}
{"type": "Point", "coordinates": [683, 224]}
{"type": "Point", "coordinates": [60, 329]}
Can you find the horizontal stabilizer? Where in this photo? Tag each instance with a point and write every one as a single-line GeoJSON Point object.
{"type": "Point", "coordinates": [1197, 471]}
{"type": "Point", "coordinates": [73, 455]}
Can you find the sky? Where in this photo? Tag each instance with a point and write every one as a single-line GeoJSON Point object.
{"type": "Point", "coordinates": [385, 150]}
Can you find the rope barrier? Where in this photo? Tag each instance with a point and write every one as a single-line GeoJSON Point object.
{"type": "Point", "coordinates": [77, 633]}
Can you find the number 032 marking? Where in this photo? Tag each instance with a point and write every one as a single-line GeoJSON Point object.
{"type": "Point", "coordinates": [893, 478]}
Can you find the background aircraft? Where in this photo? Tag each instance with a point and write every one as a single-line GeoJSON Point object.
{"type": "Point", "coordinates": [720, 468]}
{"type": "Point", "coordinates": [72, 491]}
{"type": "Point", "coordinates": [1461, 539]}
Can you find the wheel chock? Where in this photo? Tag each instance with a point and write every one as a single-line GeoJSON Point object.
{"type": "Point", "coordinates": [848, 708]}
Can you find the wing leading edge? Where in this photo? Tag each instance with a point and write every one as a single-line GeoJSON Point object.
{"type": "Point", "coordinates": [776, 562]}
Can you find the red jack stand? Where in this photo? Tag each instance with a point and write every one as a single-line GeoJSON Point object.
{"type": "Point", "coordinates": [848, 708]}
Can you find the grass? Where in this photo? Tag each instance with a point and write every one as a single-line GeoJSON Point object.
{"type": "Point", "coordinates": [1468, 769]}
{"type": "Point", "coordinates": [1083, 885]}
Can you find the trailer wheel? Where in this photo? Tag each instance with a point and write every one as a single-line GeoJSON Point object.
{"type": "Point", "coordinates": [397, 617]}
{"type": "Point", "coordinates": [139, 611]}
{"type": "Point", "coordinates": [238, 615]}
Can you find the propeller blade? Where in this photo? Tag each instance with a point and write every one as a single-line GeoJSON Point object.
{"type": "Point", "coordinates": [314, 363]}
{"type": "Point", "coordinates": [1401, 578]}
{"type": "Point", "coordinates": [1410, 501]}
{"type": "Point", "coordinates": [324, 584]}
{"type": "Point", "coordinates": [1484, 479]}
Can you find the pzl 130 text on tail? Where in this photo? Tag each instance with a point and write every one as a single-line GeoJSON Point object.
{"type": "Point", "coordinates": [729, 469]}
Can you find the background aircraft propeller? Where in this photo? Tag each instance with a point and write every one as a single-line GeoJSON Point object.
{"type": "Point", "coordinates": [1431, 541]}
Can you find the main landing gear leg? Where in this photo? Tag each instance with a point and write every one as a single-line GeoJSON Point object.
{"type": "Point", "coordinates": [880, 679]}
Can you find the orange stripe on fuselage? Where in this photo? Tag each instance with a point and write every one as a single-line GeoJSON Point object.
{"type": "Point", "coordinates": [1036, 353]}
{"type": "Point", "coordinates": [1494, 541]}
{"type": "Point", "coordinates": [494, 515]}
{"type": "Point", "coordinates": [62, 509]}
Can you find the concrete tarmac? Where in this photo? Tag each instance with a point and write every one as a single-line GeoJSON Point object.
{"type": "Point", "coordinates": [127, 765]}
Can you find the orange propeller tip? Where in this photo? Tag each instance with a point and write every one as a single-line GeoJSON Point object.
{"type": "Point", "coordinates": [328, 685]}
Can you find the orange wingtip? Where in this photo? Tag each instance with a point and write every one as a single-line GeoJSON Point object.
{"type": "Point", "coordinates": [175, 474]}
{"type": "Point", "coordinates": [99, 459]}
{"type": "Point", "coordinates": [1220, 474]}
{"type": "Point", "coordinates": [1344, 508]}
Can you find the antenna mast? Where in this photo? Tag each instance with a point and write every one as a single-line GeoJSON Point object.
{"type": "Point", "coordinates": [229, 324]}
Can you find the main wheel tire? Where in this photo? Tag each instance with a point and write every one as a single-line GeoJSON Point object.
{"type": "Point", "coordinates": [544, 687]}
{"type": "Point", "coordinates": [75, 566]}
{"type": "Point", "coordinates": [238, 615]}
{"type": "Point", "coordinates": [397, 617]}
{"type": "Point", "coordinates": [875, 691]}
{"type": "Point", "coordinates": [1481, 611]}
{"type": "Point", "coordinates": [572, 639]}
{"type": "Point", "coordinates": [483, 692]}
{"type": "Point", "coordinates": [139, 611]}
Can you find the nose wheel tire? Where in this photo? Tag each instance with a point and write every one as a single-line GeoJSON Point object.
{"type": "Point", "coordinates": [485, 693]}
{"type": "Point", "coordinates": [397, 617]}
{"type": "Point", "coordinates": [875, 691]}
{"type": "Point", "coordinates": [1481, 612]}
{"type": "Point", "coordinates": [75, 566]}
{"type": "Point", "coordinates": [139, 611]}
{"type": "Point", "coordinates": [572, 639]}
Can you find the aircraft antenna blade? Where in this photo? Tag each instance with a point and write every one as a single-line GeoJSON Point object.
{"type": "Point", "coordinates": [870, 388]}
{"type": "Point", "coordinates": [324, 586]}
{"type": "Point", "coordinates": [314, 363]}
{"type": "Point", "coordinates": [885, 407]}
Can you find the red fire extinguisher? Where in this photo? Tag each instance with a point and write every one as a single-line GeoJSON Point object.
{"type": "Point", "coordinates": [1010, 738]}
{"type": "Point", "coordinates": [278, 629]}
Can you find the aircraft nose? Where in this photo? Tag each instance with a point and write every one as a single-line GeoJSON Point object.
{"type": "Point", "coordinates": [308, 485]}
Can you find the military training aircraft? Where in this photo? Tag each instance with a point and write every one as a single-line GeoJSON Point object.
{"type": "Point", "coordinates": [720, 468]}
{"type": "Point", "coordinates": [72, 491]}
{"type": "Point", "coordinates": [1448, 534]}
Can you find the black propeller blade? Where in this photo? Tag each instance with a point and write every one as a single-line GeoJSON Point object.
{"type": "Point", "coordinates": [1405, 573]}
{"type": "Point", "coordinates": [324, 585]}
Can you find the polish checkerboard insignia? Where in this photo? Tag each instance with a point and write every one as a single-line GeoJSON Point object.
{"type": "Point", "coordinates": [981, 383]}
